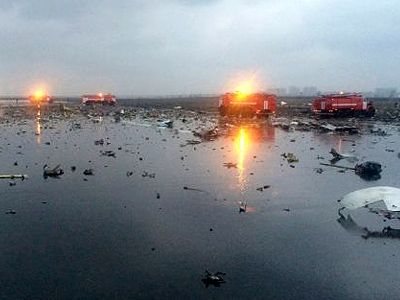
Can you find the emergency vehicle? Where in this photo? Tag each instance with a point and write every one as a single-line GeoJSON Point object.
{"type": "Point", "coordinates": [99, 98]}
{"type": "Point", "coordinates": [247, 105]}
{"type": "Point", "coordinates": [343, 104]}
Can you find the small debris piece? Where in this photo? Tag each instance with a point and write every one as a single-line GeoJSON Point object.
{"type": "Point", "coordinates": [214, 279]}
{"type": "Point", "coordinates": [319, 170]}
{"type": "Point", "coordinates": [108, 153]}
{"type": "Point", "coordinates": [192, 189]}
{"type": "Point", "coordinates": [242, 207]}
{"type": "Point", "coordinates": [290, 157]}
{"type": "Point", "coordinates": [262, 188]}
{"type": "Point", "coordinates": [99, 142]}
{"type": "Point", "coordinates": [166, 123]}
{"type": "Point", "coordinates": [73, 168]}
{"type": "Point", "coordinates": [11, 176]}
{"type": "Point", "coordinates": [336, 154]}
{"type": "Point", "coordinates": [147, 174]}
{"type": "Point", "coordinates": [88, 172]}
{"type": "Point", "coordinates": [192, 142]}
{"type": "Point", "coordinates": [12, 183]}
{"type": "Point", "coordinates": [230, 165]}
{"type": "Point", "coordinates": [55, 172]}
{"type": "Point", "coordinates": [11, 212]}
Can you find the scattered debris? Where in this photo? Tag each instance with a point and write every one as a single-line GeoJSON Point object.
{"type": "Point", "coordinates": [378, 132]}
{"type": "Point", "coordinates": [207, 135]}
{"type": "Point", "coordinates": [346, 128]}
{"type": "Point", "coordinates": [11, 212]}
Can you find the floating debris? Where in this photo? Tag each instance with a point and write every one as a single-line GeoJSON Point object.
{"type": "Point", "coordinates": [12, 176]}
{"type": "Point", "coordinates": [55, 172]}
{"type": "Point", "coordinates": [214, 279]}
{"type": "Point", "coordinates": [230, 165]}
{"type": "Point", "coordinates": [88, 172]}
{"type": "Point", "coordinates": [108, 153]}
{"type": "Point", "coordinates": [290, 157]}
{"type": "Point", "coordinates": [369, 170]}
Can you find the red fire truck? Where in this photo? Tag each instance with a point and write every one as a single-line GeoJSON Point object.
{"type": "Point", "coordinates": [247, 105]}
{"type": "Point", "coordinates": [99, 98]}
{"type": "Point", "coordinates": [343, 104]}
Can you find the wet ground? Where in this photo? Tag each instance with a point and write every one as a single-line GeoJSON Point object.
{"type": "Point", "coordinates": [152, 219]}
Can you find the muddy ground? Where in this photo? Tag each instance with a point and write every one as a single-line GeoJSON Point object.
{"type": "Point", "coordinates": [169, 200]}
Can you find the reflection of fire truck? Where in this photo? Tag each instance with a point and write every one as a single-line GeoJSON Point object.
{"type": "Point", "coordinates": [343, 104]}
{"type": "Point", "coordinates": [39, 98]}
{"type": "Point", "coordinates": [259, 104]}
{"type": "Point", "coordinates": [99, 99]}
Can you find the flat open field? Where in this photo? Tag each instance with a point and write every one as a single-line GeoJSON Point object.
{"type": "Point", "coordinates": [164, 204]}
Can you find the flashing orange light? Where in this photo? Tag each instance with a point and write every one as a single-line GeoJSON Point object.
{"type": "Point", "coordinates": [244, 89]}
{"type": "Point", "coordinates": [100, 94]}
{"type": "Point", "coordinates": [38, 95]}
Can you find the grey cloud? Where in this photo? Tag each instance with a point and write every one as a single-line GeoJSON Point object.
{"type": "Point", "coordinates": [182, 46]}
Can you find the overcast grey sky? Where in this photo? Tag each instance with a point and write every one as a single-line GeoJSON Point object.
{"type": "Point", "coordinates": [187, 46]}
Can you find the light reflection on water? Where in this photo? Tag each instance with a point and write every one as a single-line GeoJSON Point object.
{"type": "Point", "coordinates": [242, 144]}
{"type": "Point", "coordinates": [38, 130]}
{"type": "Point", "coordinates": [244, 140]}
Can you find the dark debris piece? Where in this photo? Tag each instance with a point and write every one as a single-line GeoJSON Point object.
{"type": "Point", "coordinates": [368, 170]}
{"type": "Point", "coordinates": [55, 172]}
{"type": "Point", "coordinates": [214, 279]}
{"type": "Point", "coordinates": [108, 153]}
{"type": "Point", "coordinates": [88, 172]}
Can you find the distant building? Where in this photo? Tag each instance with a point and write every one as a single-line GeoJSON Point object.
{"type": "Point", "coordinates": [310, 91]}
{"type": "Point", "coordinates": [281, 91]}
{"type": "Point", "coordinates": [385, 92]}
{"type": "Point", "coordinates": [293, 91]}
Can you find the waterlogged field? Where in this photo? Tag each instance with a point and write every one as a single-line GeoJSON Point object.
{"type": "Point", "coordinates": [162, 210]}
